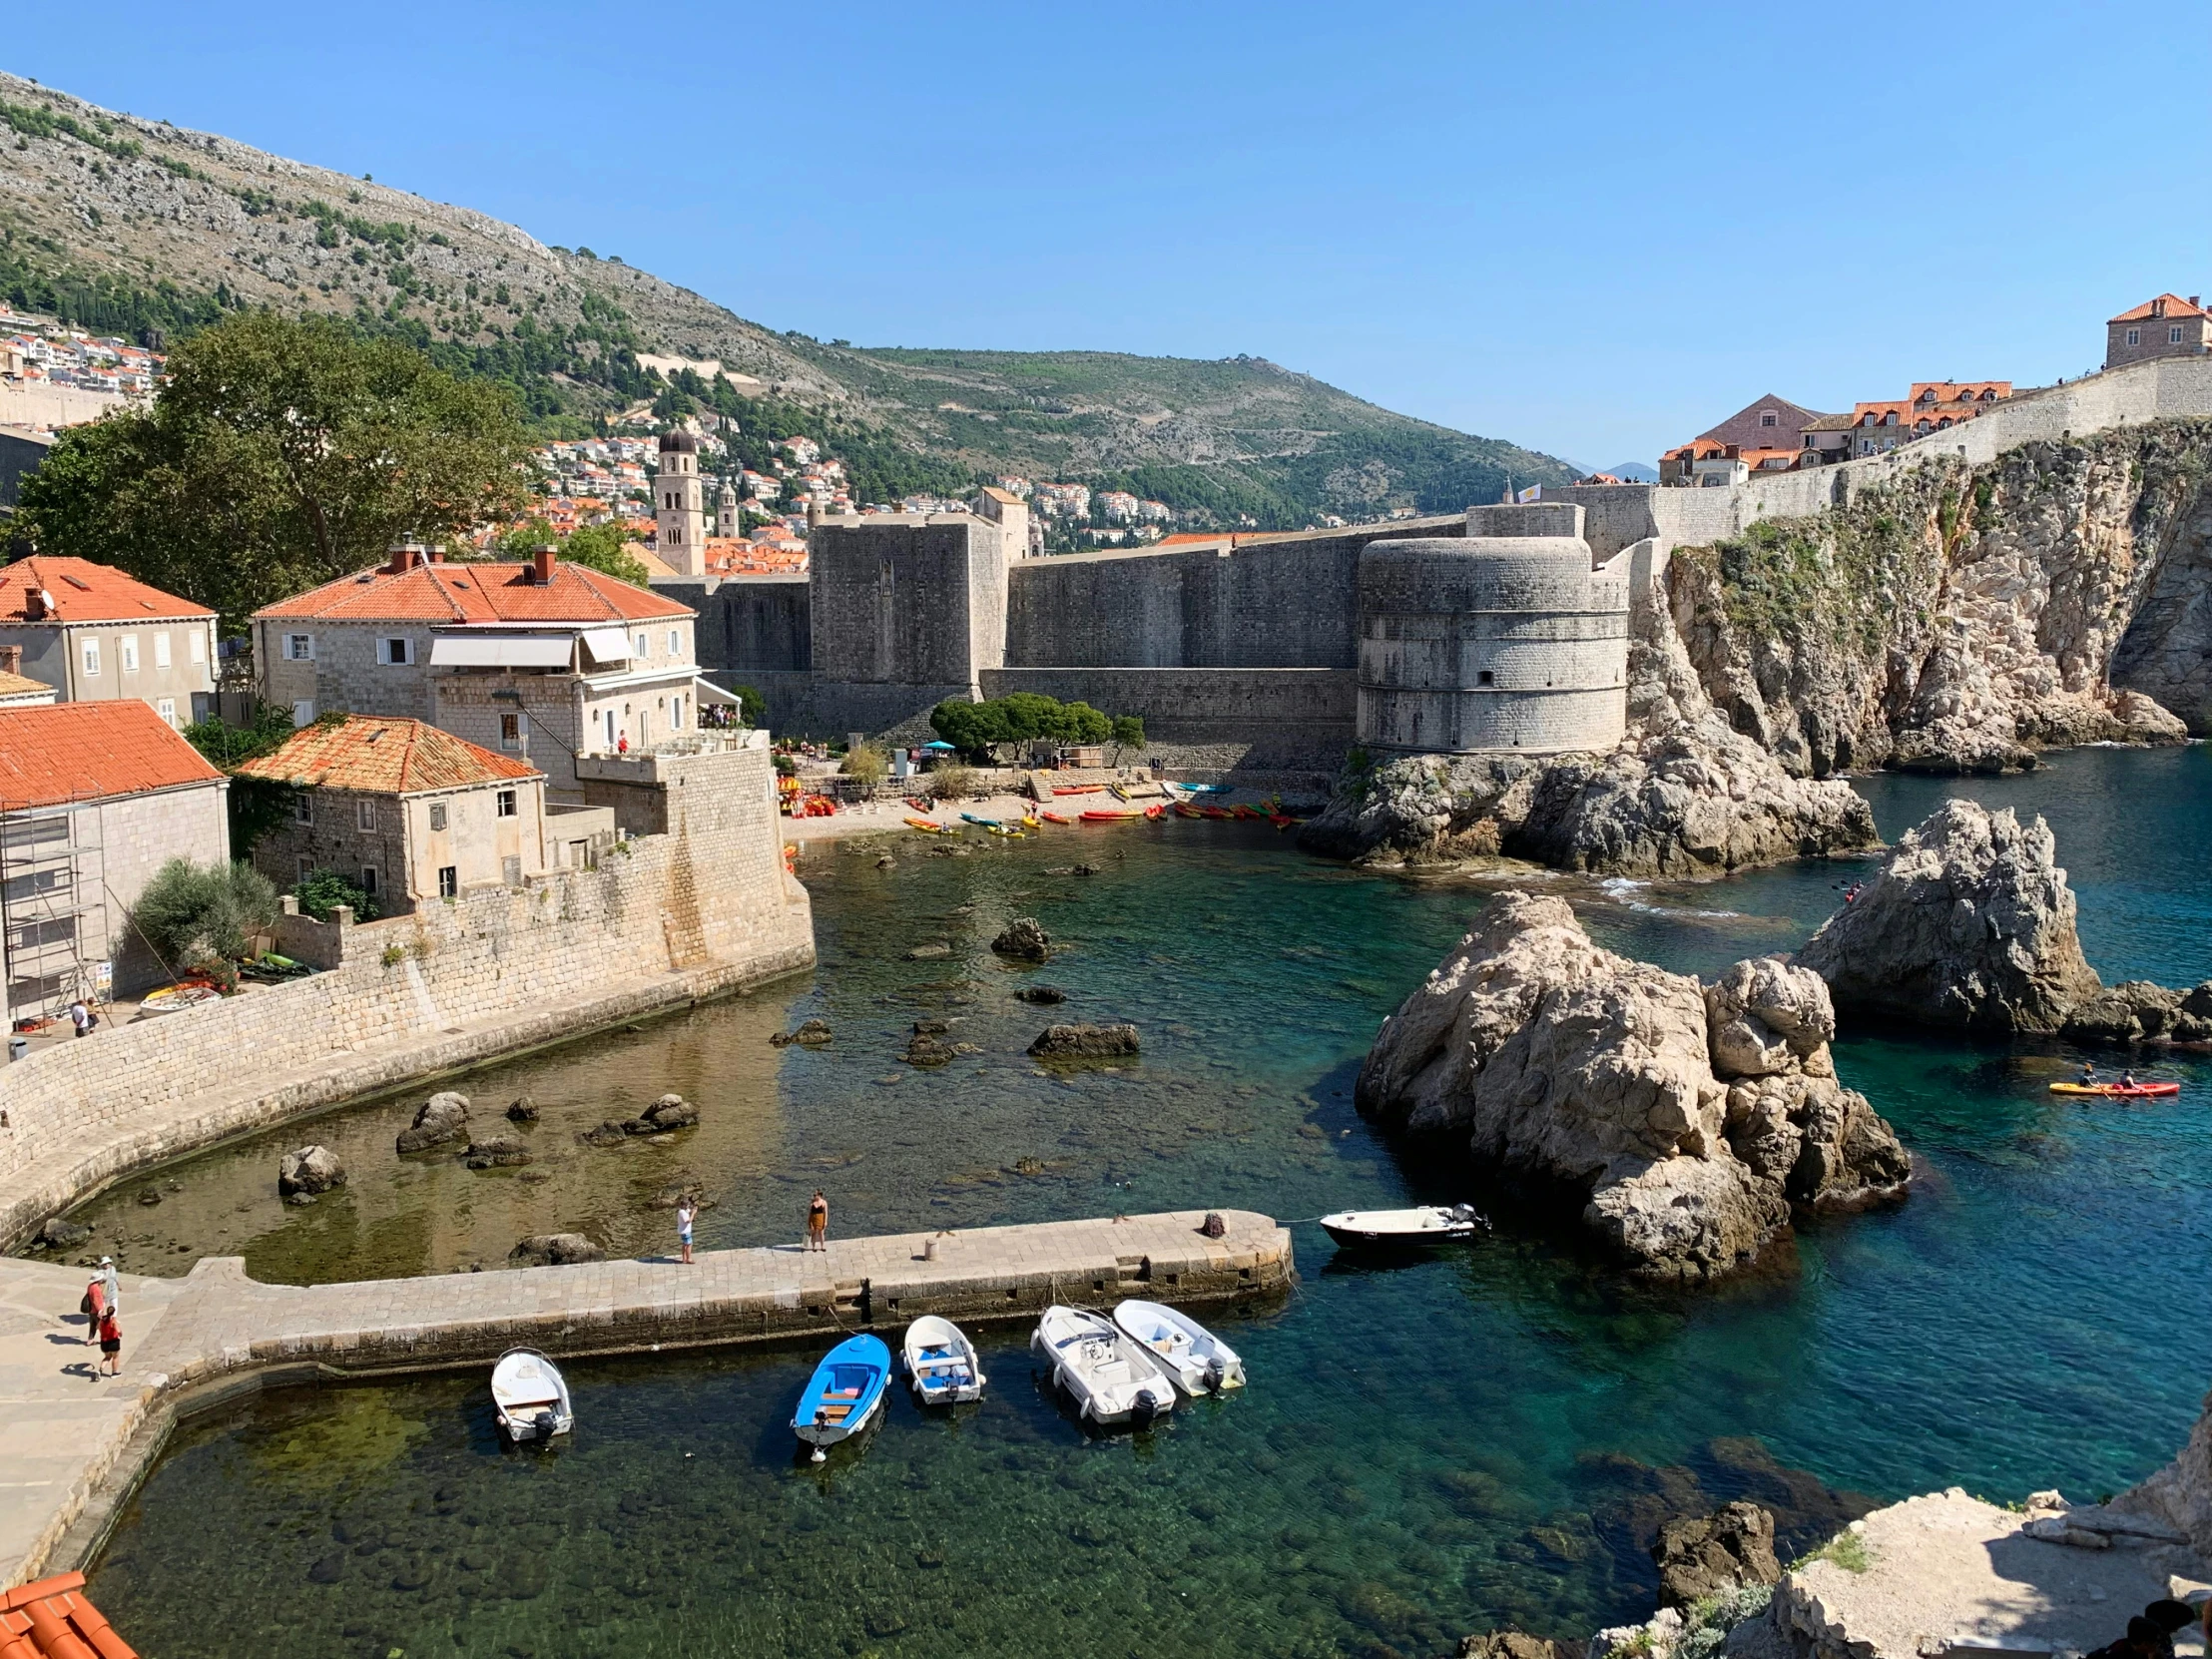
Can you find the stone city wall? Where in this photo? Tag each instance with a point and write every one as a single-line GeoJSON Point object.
{"type": "Point", "coordinates": [748, 624]}
{"type": "Point", "coordinates": [664, 920]}
{"type": "Point", "coordinates": [1288, 718]}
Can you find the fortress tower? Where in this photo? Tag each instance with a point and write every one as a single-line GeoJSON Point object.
{"type": "Point", "coordinates": [678, 507]}
{"type": "Point", "coordinates": [1511, 639]}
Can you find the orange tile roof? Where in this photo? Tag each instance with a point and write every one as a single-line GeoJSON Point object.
{"type": "Point", "coordinates": [2167, 305]}
{"type": "Point", "coordinates": [90, 750]}
{"type": "Point", "coordinates": [85, 592]}
{"type": "Point", "coordinates": [52, 1617]}
{"type": "Point", "coordinates": [384, 754]}
{"type": "Point", "coordinates": [465, 593]}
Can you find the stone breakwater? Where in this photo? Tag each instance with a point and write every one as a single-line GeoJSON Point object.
{"type": "Point", "coordinates": [699, 912]}
{"type": "Point", "coordinates": [80, 1450]}
{"type": "Point", "coordinates": [1687, 1120]}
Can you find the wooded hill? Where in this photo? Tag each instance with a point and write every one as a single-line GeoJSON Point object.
{"type": "Point", "coordinates": [139, 228]}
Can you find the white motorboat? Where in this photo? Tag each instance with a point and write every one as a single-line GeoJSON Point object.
{"type": "Point", "coordinates": [1198, 1361]}
{"type": "Point", "coordinates": [1431, 1223]}
{"type": "Point", "coordinates": [941, 1363]}
{"type": "Point", "coordinates": [1113, 1378]}
{"type": "Point", "coordinates": [530, 1395]}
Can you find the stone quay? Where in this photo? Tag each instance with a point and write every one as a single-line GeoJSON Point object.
{"type": "Point", "coordinates": [73, 1447]}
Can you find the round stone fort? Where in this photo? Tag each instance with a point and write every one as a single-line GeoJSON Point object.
{"type": "Point", "coordinates": [1510, 639]}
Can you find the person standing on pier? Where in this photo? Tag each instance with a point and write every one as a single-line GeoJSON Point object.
{"type": "Point", "coordinates": [817, 1222]}
{"type": "Point", "coordinates": [111, 1346]}
{"type": "Point", "coordinates": [686, 1209]}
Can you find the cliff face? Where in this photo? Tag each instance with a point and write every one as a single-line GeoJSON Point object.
{"type": "Point", "coordinates": [1964, 617]}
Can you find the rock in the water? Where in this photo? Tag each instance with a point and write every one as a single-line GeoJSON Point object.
{"type": "Point", "coordinates": [810, 1034]}
{"type": "Point", "coordinates": [608, 1133]}
{"type": "Point", "coordinates": [1085, 1042]}
{"type": "Point", "coordinates": [1045, 996]}
{"type": "Point", "coordinates": [497, 1152]}
{"type": "Point", "coordinates": [62, 1233]}
{"type": "Point", "coordinates": [1513, 1644]}
{"type": "Point", "coordinates": [1562, 1061]}
{"type": "Point", "coordinates": [928, 1047]}
{"type": "Point", "coordinates": [930, 952]}
{"type": "Point", "coordinates": [1726, 1550]}
{"type": "Point", "coordinates": [673, 1192]}
{"type": "Point", "coordinates": [524, 1110]}
{"type": "Point", "coordinates": [544, 1249]}
{"type": "Point", "coordinates": [312, 1170]}
{"type": "Point", "coordinates": [444, 1117]}
{"type": "Point", "coordinates": [671, 1111]}
{"type": "Point", "coordinates": [1024, 940]}
{"type": "Point", "coordinates": [1969, 925]}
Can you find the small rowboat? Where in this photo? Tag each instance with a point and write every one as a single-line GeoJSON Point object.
{"type": "Point", "coordinates": [844, 1395]}
{"type": "Point", "coordinates": [1431, 1223]}
{"type": "Point", "coordinates": [530, 1395]}
{"type": "Point", "coordinates": [1056, 818]}
{"type": "Point", "coordinates": [2118, 1091]}
{"type": "Point", "coordinates": [174, 999]}
{"type": "Point", "coordinates": [941, 1363]}
{"type": "Point", "coordinates": [1112, 1379]}
{"type": "Point", "coordinates": [1199, 1362]}
{"type": "Point", "coordinates": [1106, 815]}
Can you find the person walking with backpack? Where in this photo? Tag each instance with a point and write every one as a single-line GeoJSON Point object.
{"type": "Point", "coordinates": [111, 1346]}
{"type": "Point", "coordinates": [93, 1306]}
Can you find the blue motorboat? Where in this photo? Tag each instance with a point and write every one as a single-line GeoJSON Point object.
{"type": "Point", "coordinates": [844, 1394]}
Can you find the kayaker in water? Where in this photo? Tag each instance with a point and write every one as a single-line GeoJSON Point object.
{"type": "Point", "coordinates": [2127, 1080]}
{"type": "Point", "coordinates": [2088, 1072]}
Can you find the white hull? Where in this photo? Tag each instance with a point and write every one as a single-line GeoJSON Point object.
{"type": "Point", "coordinates": [1195, 1359]}
{"type": "Point", "coordinates": [942, 1366]}
{"type": "Point", "coordinates": [826, 1435]}
{"type": "Point", "coordinates": [1112, 1379]}
{"type": "Point", "coordinates": [1431, 1224]}
{"type": "Point", "coordinates": [531, 1396]}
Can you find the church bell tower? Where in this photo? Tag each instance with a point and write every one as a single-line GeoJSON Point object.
{"type": "Point", "coordinates": [679, 506]}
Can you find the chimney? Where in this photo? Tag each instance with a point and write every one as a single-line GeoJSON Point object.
{"type": "Point", "coordinates": [11, 659]}
{"type": "Point", "coordinates": [2158, 306]}
{"type": "Point", "coordinates": [405, 555]}
{"type": "Point", "coordinates": [437, 555]}
{"type": "Point", "coordinates": [542, 559]}
{"type": "Point", "coordinates": [2194, 300]}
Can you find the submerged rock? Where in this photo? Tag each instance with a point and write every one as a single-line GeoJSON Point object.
{"type": "Point", "coordinates": [497, 1152]}
{"type": "Point", "coordinates": [1043, 996]}
{"type": "Point", "coordinates": [1024, 940]}
{"type": "Point", "coordinates": [524, 1110]}
{"type": "Point", "coordinates": [1971, 925]}
{"type": "Point", "coordinates": [671, 1111]}
{"type": "Point", "coordinates": [542, 1249]}
{"type": "Point", "coordinates": [1689, 1120]}
{"type": "Point", "coordinates": [1085, 1042]}
{"type": "Point", "coordinates": [810, 1034]}
{"type": "Point", "coordinates": [443, 1117]}
{"type": "Point", "coordinates": [608, 1133]}
{"type": "Point", "coordinates": [312, 1170]}
{"type": "Point", "coordinates": [59, 1233]}
{"type": "Point", "coordinates": [1727, 1550]}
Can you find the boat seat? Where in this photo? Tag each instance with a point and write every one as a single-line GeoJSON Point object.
{"type": "Point", "coordinates": [513, 1406]}
{"type": "Point", "coordinates": [833, 1414]}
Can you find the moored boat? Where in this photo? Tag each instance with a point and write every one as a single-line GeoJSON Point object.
{"type": "Point", "coordinates": [941, 1365]}
{"type": "Point", "coordinates": [1429, 1223]}
{"type": "Point", "coordinates": [1103, 815]}
{"type": "Point", "coordinates": [530, 1396]}
{"type": "Point", "coordinates": [844, 1395]}
{"type": "Point", "coordinates": [1112, 1377]}
{"type": "Point", "coordinates": [1198, 1361]}
{"type": "Point", "coordinates": [2118, 1091]}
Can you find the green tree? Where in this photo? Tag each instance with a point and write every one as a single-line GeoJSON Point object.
{"type": "Point", "coordinates": [969, 727]}
{"type": "Point", "coordinates": [601, 547]}
{"type": "Point", "coordinates": [320, 891]}
{"type": "Point", "coordinates": [198, 916]}
{"type": "Point", "coordinates": [281, 452]}
{"type": "Point", "coordinates": [1128, 733]}
{"type": "Point", "coordinates": [752, 706]}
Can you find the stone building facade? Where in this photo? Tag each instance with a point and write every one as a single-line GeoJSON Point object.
{"type": "Point", "coordinates": [680, 506]}
{"type": "Point", "coordinates": [95, 634]}
{"type": "Point", "coordinates": [2168, 326]}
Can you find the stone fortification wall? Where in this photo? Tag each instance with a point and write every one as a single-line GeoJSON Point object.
{"type": "Point", "coordinates": [662, 919]}
{"type": "Point", "coordinates": [748, 624]}
{"type": "Point", "coordinates": [1292, 601]}
{"type": "Point", "coordinates": [912, 601]}
{"type": "Point", "coordinates": [1282, 718]}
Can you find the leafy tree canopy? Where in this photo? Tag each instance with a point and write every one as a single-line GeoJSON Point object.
{"type": "Point", "coordinates": [320, 891]}
{"type": "Point", "coordinates": [280, 453]}
{"type": "Point", "coordinates": [1019, 716]}
{"type": "Point", "coordinates": [197, 916]}
{"type": "Point", "coordinates": [602, 547]}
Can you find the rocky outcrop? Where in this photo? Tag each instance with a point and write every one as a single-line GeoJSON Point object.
{"type": "Point", "coordinates": [1515, 1644]}
{"type": "Point", "coordinates": [1024, 940]}
{"type": "Point", "coordinates": [1045, 996]}
{"type": "Point", "coordinates": [810, 1033]}
{"type": "Point", "coordinates": [60, 1232]}
{"type": "Point", "coordinates": [552, 1249]}
{"type": "Point", "coordinates": [1730, 1549]}
{"type": "Point", "coordinates": [310, 1170]}
{"type": "Point", "coordinates": [497, 1152]}
{"type": "Point", "coordinates": [522, 1110]}
{"type": "Point", "coordinates": [443, 1117]}
{"type": "Point", "coordinates": [1085, 1042]}
{"type": "Point", "coordinates": [1690, 1120]}
{"type": "Point", "coordinates": [670, 1112]}
{"type": "Point", "coordinates": [1969, 925]}
{"type": "Point", "coordinates": [2180, 1494]}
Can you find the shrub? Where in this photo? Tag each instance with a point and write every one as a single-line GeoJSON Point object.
{"type": "Point", "coordinates": [197, 916]}
{"type": "Point", "coordinates": [752, 706]}
{"type": "Point", "coordinates": [322, 892]}
{"type": "Point", "coordinates": [865, 764]}
{"type": "Point", "coordinates": [952, 782]}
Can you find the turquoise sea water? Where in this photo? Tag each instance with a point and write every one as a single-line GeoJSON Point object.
{"type": "Point", "coordinates": [1484, 1436]}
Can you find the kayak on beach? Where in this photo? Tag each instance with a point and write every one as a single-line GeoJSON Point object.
{"type": "Point", "coordinates": [2117, 1091]}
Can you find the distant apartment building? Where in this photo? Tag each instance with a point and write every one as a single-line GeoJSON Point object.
{"type": "Point", "coordinates": [544, 661]}
{"type": "Point", "coordinates": [95, 634]}
{"type": "Point", "coordinates": [2168, 327]}
{"type": "Point", "coordinates": [1929, 406]}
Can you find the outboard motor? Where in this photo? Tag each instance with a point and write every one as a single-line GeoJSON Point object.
{"type": "Point", "coordinates": [545, 1425]}
{"type": "Point", "coordinates": [1146, 1408]}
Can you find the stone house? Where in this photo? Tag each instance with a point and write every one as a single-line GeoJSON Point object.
{"type": "Point", "coordinates": [93, 798]}
{"type": "Point", "coordinates": [2168, 327]}
{"type": "Point", "coordinates": [95, 635]}
{"type": "Point", "coordinates": [543, 662]}
{"type": "Point", "coordinates": [410, 814]}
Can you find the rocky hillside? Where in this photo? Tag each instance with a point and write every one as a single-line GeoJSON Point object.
{"type": "Point", "coordinates": [139, 226]}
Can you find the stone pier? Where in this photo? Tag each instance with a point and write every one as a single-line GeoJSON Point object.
{"type": "Point", "coordinates": [72, 1447]}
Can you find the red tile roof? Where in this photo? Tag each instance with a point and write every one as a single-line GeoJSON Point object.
{"type": "Point", "coordinates": [90, 750]}
{"type": "Point", "coordinates": [52, 1616]}
{"type": "Point", "coordinates": [462, 593]}
{"type": "Point", "coordinates": [2167, 305]}
{"type": "Point", "coordinates": [384, 754]}
{"type": "Point", "coordinates": [85, 592]}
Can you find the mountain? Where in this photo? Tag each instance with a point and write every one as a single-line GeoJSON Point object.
{"type": "Point", "coordinates": [1634, 472]}
{"type": "Point", "coordinates": [136, 226]}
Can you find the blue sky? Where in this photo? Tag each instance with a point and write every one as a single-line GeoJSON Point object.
{"type": "Point", "coordinates": [1592, 229]}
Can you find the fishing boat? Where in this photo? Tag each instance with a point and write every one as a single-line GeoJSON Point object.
{"type": "Point", "coordinates": [941, 1363]}
{"type": "Point", "coordinates": [2118, 1091]}
{"type": "Point", "coordinates": [1112, 1377]}
{"type": "Point", "coordinates": [1430, 1224]}
{"type": "Point", "coordinates": [1056, 818]}
{"type": "Point", "coordinates": [844, 1395]}
{"type": "Point", "coordinates": [1198, 1361]}
{"type": "Point", "coordinates": [530, 1395]}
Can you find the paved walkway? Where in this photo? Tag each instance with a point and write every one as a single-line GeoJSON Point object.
{"type": "Point", "coordinates": [67, 1440]}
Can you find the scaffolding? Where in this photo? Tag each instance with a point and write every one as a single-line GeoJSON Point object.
{"type": "Point", "coordinates": [55, 939]}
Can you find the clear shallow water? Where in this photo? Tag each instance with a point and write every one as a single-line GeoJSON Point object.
{"type": "Point", "coordinates": [1484, 1436]}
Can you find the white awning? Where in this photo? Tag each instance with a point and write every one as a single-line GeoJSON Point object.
{"type": "Point", "coordinates": [708, 692]}
{"type": "Point", "coordinates": [607, 645]}
{"type": "Point", "coordinates": [499, 651]}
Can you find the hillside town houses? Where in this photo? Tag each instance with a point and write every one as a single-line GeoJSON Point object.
{"type": "Point", "coordinates": [34, 351]}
